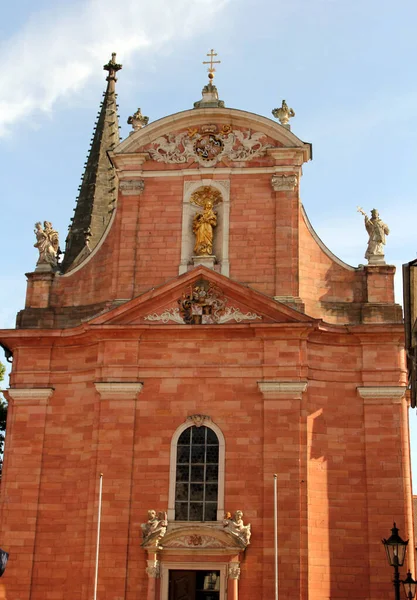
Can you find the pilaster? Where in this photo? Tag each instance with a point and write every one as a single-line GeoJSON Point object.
{"type": "Point", "coordinates": [387, 472]}
{"type": "Point", "coordinates": [21, 484]}
{"type": "Point", "coordinates": [284, 453]}
{"type": "Point", "coordinates": [115, 455]}
{"type": "Point", "coordinates": [285, 186]}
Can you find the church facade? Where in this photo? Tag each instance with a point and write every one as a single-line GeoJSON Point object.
{"type": "Point", "coordinates": [198, 349]}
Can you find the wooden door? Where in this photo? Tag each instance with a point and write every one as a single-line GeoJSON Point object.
{"type": "Point", "coordinates": [182, 585]}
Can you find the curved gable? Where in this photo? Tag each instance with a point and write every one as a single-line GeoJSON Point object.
{"type": "Point", "coordinates": [279, 134]}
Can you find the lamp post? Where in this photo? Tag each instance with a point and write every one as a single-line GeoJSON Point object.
{"type": "Point", "coordinates": [395, 547]}
{"type": "Point", "coordinates": [410, 586]}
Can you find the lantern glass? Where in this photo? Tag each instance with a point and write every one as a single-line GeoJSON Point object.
{"type": "Point", "coordinates": [395, 547]}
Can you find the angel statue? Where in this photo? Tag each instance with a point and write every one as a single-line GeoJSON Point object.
{"type": "Point", "coordinates": [236, 527]}
{"type": "Point", "coordinates": [283, 114]}
{"type": "Point", "coordinates": [203, 224]}
{"type": "Point", "coordinates": [47, 243]}
{"type": "Point", "coordinates": [155, 527]}
{"type": "Point", "coordinates": [377, 230]}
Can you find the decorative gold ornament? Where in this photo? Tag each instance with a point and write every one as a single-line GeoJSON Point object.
{"type": "Point", "coordinates": [192, 131]}
{"type": "Point", "coordinates": [205, 194]}
{"type": "Point", "coordinates": [226, 129]}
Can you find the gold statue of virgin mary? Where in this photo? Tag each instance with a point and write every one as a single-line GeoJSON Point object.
{"type": "Point", "coordinates": [204, 222]}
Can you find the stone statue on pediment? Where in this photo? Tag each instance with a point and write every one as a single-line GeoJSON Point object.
{"type": "Point", "coordinates": [235, 525]}
{"type": "Point", "coordinates": [377, 231]}
{"type": "Point", "coordinates": [155, 527]}
{"type": "Point", "coordinates": [47, 243]}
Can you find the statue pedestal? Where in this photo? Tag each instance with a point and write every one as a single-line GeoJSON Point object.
{"type": "Point", "coordinates": [205, 261]}
{"type": "Point", "coordinates": [377, 259]}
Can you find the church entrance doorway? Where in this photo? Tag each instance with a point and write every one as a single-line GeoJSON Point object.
{"type": "Point", "coordinates": [194, 585]}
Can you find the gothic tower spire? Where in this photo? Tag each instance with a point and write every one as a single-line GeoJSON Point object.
{"type": "Point", "coordinates": [95, 202]}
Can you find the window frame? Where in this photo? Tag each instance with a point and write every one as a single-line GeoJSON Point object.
{"type": "Point", "coordinates": [173, 470]}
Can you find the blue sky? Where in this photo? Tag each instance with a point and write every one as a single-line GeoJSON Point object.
{"type": "Point", "coordinates": [346, 67]}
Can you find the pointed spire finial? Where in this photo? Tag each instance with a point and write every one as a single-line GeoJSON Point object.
{"type": "Point", "coordinates": [211, 70]}
{"type": "Point", "coordinates": [112, 67]}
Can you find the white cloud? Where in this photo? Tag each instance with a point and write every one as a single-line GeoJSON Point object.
{"type": "Point", "coordinates": [58, 51]}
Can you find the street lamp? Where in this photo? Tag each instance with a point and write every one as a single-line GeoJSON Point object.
{"type": "Point", "coordinates": [395, 547]}
{"type": "Point", "coordinates": [410, 586]}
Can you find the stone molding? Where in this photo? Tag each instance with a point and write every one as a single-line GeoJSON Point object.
{"type": "Point", "coordinates": [131, 187]}
{"type": "Point", "coordinates": [113, 390]}
{"type": "Point", "coordinates": [38, 396]}
{"type": "Point", "coordinates": [233, 571]}
{"type": "Point", "coordinates": [282, 389]}
{"type": "Point", "coordinates": [382, 394]}
{"type": "Point", "coordinates": [284, 183]}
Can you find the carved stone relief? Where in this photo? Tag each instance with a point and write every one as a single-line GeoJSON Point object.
{"type": "Point", "coordinates": [195, 541]}
{"type": "Point", "coordinates": [283, 183]}
{"type": "Point", "coordinates": [209, 147]}
{"type": "Point", "coordinates": [199, 420]}
{"type": "Point", "coordinates": [203, 304]}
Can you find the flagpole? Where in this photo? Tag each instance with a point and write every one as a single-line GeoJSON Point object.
{"type": "Point", "coordinates": [276, 533]}
{"type": "Point", "coordinates": [98, 535]}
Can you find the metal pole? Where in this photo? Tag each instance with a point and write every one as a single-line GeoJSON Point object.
{"type": "Point", "coordinates": [276, 533]}
{"type": "Point", "coordinates": [397, 583]}
{"type": "Point", "coordinates": [98, 535]}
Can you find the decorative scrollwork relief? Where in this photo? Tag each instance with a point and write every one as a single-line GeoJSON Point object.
{"type": "Point", "coordinates": [208, 148]}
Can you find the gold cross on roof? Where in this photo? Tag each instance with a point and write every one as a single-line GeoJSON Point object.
{"type": "Point", "coordinates": [211, 70]}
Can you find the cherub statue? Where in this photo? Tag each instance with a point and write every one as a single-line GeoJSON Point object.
{"type": "Point", "coordinates": [47, 243]}
{"type": "Point", "coordinates": [155, 527]}
{"type": "Point", "coordinates": [137, 120]}
{"type": "Point", "coordinates": [283, 114]}
{"type": "Point", "coordinates": [235, 526]}
{"type": "Point", "coordinates": [377, 231]}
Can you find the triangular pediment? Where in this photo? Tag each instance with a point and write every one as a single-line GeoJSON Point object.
{"type": "Point", "coordinates": [201, 297]}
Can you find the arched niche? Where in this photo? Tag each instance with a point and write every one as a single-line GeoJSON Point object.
{"type": "Point", "coordinates": [221, 231]}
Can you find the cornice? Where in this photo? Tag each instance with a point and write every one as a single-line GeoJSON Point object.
{"type": "Point", "coordinates": [115, 390]}
{"type": "Point", "coordinates": [38, 396]}
{"type": "Point", "coordinates": [282, 389]}
{"type": "Point", "coordinates": [382, 394]}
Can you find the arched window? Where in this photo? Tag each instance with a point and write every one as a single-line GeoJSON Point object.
{"type": "Point", "coordinates": [197, 474]}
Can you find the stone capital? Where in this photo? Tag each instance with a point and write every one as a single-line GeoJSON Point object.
{"type": "Point", "coordinates": [284, 183]}
{"type": "Point", "coordinates": [118, 390]}
{"type": "Point", "coordinates": [234, 570]}
{"type": "Point", "coordinates": [382, 394]}
{"type": "Point", "coordinates": [131, 187]}
{"type": "Point", "coordinates": [38, 396]}
{"type": "Point", "coordinates": [276, 390]}
{"type": "Point", "coordinates": [153, 569]}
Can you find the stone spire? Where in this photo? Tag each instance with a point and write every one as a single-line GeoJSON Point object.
{"type": "Point", "coordinates": [209, 92]}
{"type": "Point", "coordinates": [96, 199]}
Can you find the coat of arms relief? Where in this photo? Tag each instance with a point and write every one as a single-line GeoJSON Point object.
{"type": "Point", "coordinates": [203, 304]}
{"type": "Point", "coordinates": [208, 145]}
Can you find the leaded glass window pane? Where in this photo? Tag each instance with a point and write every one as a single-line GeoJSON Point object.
{"type": "Point", "coordinates": [197, 475]}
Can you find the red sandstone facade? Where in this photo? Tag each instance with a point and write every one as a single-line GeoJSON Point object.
{"type": "Point", "coordinates": [312, 388]}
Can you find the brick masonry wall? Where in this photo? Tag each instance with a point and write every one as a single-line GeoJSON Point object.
{"type": "Point", "coordinates": [318, 445]}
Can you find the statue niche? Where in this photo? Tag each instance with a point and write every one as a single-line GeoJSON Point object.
{"type": "Point", "coordinates": [204, 224]}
